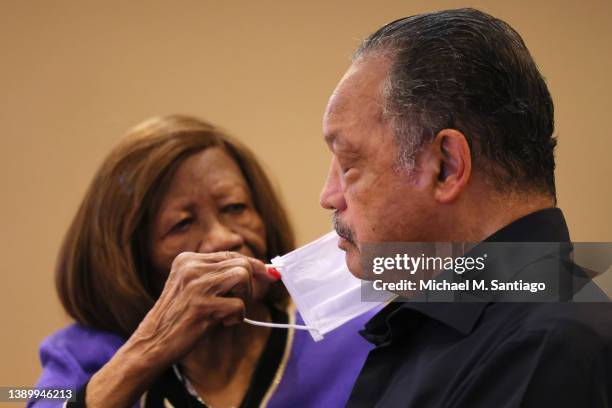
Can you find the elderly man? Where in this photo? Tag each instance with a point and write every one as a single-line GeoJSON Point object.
{"type": "Point", "coordinates": [441, 130]}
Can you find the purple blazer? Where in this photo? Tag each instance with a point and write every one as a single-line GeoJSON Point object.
{"type": "Point", "coordinates": [312, 374]}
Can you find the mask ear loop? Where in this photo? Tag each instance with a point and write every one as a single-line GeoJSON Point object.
{"type": "Point", "coordinates": [277, 325]}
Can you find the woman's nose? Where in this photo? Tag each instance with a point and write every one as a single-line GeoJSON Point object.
{"type": "Point", "coordinates": [219, 237]}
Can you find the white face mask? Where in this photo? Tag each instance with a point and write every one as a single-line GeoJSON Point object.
{"type": "Point", "coordinates": [327, 295]}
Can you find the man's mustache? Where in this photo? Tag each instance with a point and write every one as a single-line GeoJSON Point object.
{"type": "Point", "coordinates": [342, 229]}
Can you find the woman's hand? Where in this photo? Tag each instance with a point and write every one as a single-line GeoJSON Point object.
{"type": "Point", "coordinates": [202, 290]}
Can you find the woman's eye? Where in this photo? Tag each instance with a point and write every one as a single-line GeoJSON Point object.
{"type": "Point", "coordinates": [181, 225]}
{"type": "Point", "coordinates": [234, 208]}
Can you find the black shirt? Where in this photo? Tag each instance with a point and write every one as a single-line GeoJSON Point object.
{"type": "Point", "coordinates": [494, 354]}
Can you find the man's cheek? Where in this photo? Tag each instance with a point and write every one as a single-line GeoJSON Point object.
{"type": "Point", "coordinates": [350, 216]}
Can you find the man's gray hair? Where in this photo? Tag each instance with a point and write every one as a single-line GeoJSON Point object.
{"type": "Point", "coordinates": [466, 70]}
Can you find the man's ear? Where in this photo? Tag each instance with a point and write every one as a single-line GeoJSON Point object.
{"type": "Point", "coordinates": [455, 164]}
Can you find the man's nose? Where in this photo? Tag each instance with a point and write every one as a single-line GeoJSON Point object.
{"type": "Point", "coordinates": [219, 237]}
{"type": "Point", "coordinates": [332, 196]}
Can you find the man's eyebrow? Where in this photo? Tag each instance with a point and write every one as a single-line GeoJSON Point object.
{"type": "Point", "coordinates": [330, 138]}
{"type": "Point", "coordinates": [336, 142]}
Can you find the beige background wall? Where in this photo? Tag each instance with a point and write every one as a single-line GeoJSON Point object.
{"type": "Point", "coordinates": [75, 75]}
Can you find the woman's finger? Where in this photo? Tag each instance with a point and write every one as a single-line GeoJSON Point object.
{"type": "Point", "coordinates": [229, 311]}
{"type": "Point", "coordinates": [228, 259]}
{"type": "Point", "coordinates": [263, 272]}
{"type": "Point", "coordinates": [233, 280]}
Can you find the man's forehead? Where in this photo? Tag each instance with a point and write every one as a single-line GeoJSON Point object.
{"type": "Point", "coordinates": [361, 85]}
{"type": "Point", "coordinates": [337, 115]}
{"type": "Point", "coordinates": [337, 104]}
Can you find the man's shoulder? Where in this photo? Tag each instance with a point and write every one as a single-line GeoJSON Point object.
{"type": "Point", "coordinates": [587, 324]}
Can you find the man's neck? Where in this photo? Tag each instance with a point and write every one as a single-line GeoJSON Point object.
{"type": "Point", "coordinates": [482, 219]}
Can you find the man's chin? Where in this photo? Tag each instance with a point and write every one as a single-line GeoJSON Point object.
{"type": "Point", "coordinates": [344, 244]}
{"type": "Point", "coordinates": [352, 257]}
{"type": "Point", "coordinates": [353, 261]}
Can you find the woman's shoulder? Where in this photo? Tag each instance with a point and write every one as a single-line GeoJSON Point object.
{"type": "Point", "coordinates": [71, 355]}
{"type": "Point", "coordinates": [81, 343]}
{"type": "Point", "coordinates": [340, 355]}
{"type": "Point", "coordinates": [78, 335]}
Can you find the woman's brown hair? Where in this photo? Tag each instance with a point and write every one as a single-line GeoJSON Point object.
{"type": "Point", "coordinates": [103, 275]}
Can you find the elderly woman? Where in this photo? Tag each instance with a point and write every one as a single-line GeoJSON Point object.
{"type": "Point", "coordinates": [161, 263]}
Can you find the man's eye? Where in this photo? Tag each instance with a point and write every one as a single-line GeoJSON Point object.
{"type": "Point", "coordinates": [234, 208]}
{"type": "Point", "coordinates": [348, 171]}
{"type": "Point", "coordinates": [181, 225]}
{"type": "Point", "coordinates": [345, 166]}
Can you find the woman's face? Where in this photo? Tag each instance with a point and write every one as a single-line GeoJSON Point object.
{"type": "Point", "coordinates": [207, 208]}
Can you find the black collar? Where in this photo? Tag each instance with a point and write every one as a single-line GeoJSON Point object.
{"type": "Point", "coordinates": [546, 225]}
